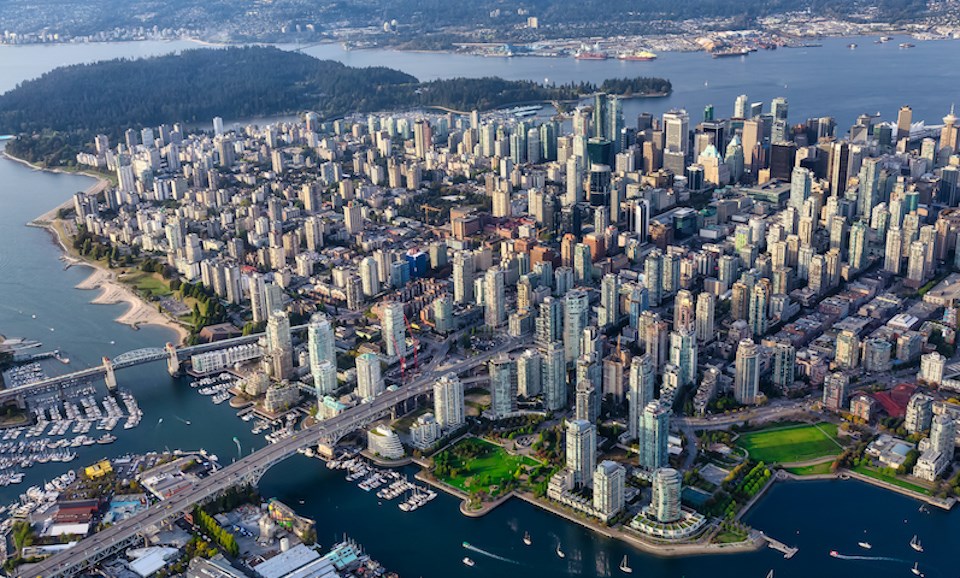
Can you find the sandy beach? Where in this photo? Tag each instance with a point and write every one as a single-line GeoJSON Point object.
{"type": "Point", "coordinates": [139, 312]}
{"type": "Point", "coordinates": [111, 291]}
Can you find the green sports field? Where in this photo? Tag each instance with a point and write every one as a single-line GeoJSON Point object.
{"type": "Point", "coordinates": [791, 444]}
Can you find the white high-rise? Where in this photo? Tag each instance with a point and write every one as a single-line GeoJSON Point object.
{"type": "Point", "coordinates": [370, 276]}
{"type": "Point", "coordinates": [369, 379]}
{"type": "Point", "coordinates": [747, 377]}
{"type": "Point", "coordinates": [320, 344]}
{"type": "Point", "coordinates": [576, 309]}
{"type": "Point", "coordinates": [448, 401]}
{"type": "Point", "coordinates": [394, 329]}
{"type": "Point", "coordinates": [609, 480]}
{"type": "Point", "coordinates": [581, 450]}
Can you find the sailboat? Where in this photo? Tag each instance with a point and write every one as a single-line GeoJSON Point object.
{"type": "Point", "coordinates": [915, 543]}
{"type": "Point", "coordinates": [526, 538]}
{"type": "Point", "coordinates": [624, 567]}
{"type": "Point", "coordinates": [560, 552]}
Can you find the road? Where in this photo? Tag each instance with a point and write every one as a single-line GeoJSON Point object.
{"type": "Point", "coordinates": [71, 562]}
{"type": "Point", "coordinates": [774, 410]}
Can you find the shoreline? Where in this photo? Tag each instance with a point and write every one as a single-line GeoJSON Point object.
{"type": "Point", "coordinates": [665, 550]}
{"type": "Point", "coordinates": [112, 291]}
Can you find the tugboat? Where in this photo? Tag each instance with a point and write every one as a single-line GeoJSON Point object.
{"type": "Point", "coordinates": [526, 538]}
{"type": "Point", "coordinates": [624, 567]}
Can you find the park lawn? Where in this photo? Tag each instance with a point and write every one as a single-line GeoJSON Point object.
{"type": "Point", "coordinates": [814, 470]}
{"type": "Point", "coordinates": [729, 537]}
{"type": "Point", "coordinates": [152, 284]}
{"type": "Point", "coordinates": [494, 464]}
{"type": "Point", "coordinates": [895, 480]}
{"type": "Point", "coordinates": [791, 444]}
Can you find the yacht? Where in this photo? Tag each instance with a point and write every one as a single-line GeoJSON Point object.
{"type": "Point", "coordinates": [526, 538]}
{"type": "Point", "coordinates": [468, 562]}
{"type": "Point", "coordinates": [624, 567]}
{"type": "Point", "coordinates": [560, 552]}
{"type": "Point", "coordinates": [915, 544]}
{"type": "Point", "coordinates": [865, 545]}
{"type": "Point", "coordinates": [916, 569]}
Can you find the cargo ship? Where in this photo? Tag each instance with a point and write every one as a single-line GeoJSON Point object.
{"type": "Point", "coordinates": [590, 55]}
{"type": "Point", "coordinates": [725, 52]}
{"type": "Point", "coordinates": [641, 56]}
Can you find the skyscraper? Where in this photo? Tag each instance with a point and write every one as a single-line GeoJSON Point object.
{"type": "Point", "coordinates": [576, 309]}
{"type": "Point", "coordinates": [747, 378]}
{"type": "Point", "coordinates": [666, 495]}
{"type": "Point", "coordinates": [463, 270]}
{"type": "Point", "coordinates": [904, 120]}
{"type": "Point", "coordinates": [503, 386]}
{"type": "Point", "coordinates": [706, 305]}
{"type": "Point", "coordinates": [529, 378]}
{"type": "Point", "coordinates": [394, 329]}
{"type": "Point", "coordinates": [653, 436]}
{"type": "Point", "coordinates": [652, 276]}
{"type": "Point", "coordinates": [494, 305]}
{"type": "Point", "coordinates": [369, 380]}
{"type": "Point", "coordinates": [549, 322]}
{"type": "Point", "coordinates": [609, 480]}
{"type": "Point", "coordinates": [448, 401]}
{"type": "Point", "coordinates": [320, 343]}
{"type": "Point", "coordinates": [279, 346]}
{"type": "Point", "coordinates": [683, 354]}
{"type": "Point", "coordinates": [784, 364]}
{"type": "Point", "coordinates": [759, 306]}
{"type": "Point", "coordinates": [369, 276]}
{"type": "Point", "coordinates": [581, 450]}
{"type": "Point", "coordinates": [641, 389]}
{"type": "Point", "coordinates": [609, 300]}
{"type": "Point", "coordinates": [553, 373]}
{"type": "Point", "coordinates": [585, 406]}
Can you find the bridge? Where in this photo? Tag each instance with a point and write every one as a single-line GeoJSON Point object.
{"type": "Point", "coordinates": [174, 356]}
{"type": "Point", "coordinates": [90, 551]}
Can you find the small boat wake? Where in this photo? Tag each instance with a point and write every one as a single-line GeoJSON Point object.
{"type": "Point", "coordinates": [473, 548]}
{"type": "Point", "coordinates": [869, 558]}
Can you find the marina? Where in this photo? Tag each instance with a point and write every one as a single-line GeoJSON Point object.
{"type": "Point", "coordinates": [394, 485]}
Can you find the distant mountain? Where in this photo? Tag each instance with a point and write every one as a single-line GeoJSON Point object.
{"type": "Point", "coordinates": [238, 20]}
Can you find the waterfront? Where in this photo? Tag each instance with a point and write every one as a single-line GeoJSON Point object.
{"type": "Point", "coordinates": [831, 79]}
{"type": "Point", "coordinates": [34, 282]}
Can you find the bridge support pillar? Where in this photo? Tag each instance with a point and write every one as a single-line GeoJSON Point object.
{"type": "Point", "coordinates": [173, 360]}
{"type": "Point", "coordinates": [111, 376]}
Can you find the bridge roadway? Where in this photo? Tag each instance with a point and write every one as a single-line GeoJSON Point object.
{"type": "Point", "coordinates": [99, 370]}
{"type": "Point", "coordinates": [95, 548]}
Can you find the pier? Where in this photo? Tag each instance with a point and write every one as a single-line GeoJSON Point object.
{"type": "Point", "coordinates": [788, 551]}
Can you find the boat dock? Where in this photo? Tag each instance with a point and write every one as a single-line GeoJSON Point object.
{"type": "Point", "coordinates": [788, 551]}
